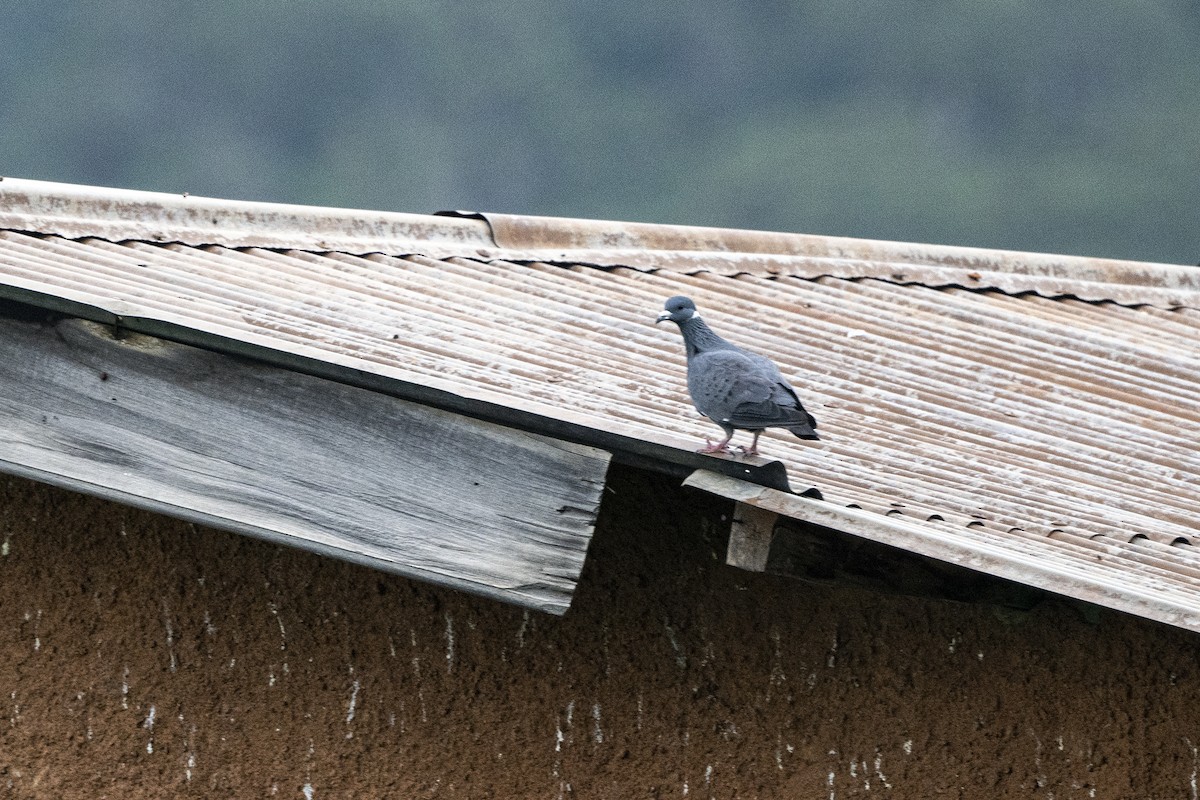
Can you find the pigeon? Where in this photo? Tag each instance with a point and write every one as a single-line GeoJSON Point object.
{"type": "Point", "coordinates": [735, 388]}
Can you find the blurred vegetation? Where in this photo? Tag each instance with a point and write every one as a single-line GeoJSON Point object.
{"type": "Point", "coordinates": [1055, 125]}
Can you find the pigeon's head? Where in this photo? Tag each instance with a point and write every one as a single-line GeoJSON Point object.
{"type": "Point", "coordinates": [678, 309]}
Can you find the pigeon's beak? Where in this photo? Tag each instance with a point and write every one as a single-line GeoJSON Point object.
{"type": "Point", "coordinates": [663, 317]}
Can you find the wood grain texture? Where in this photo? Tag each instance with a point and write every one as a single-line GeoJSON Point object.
{"type": "Point", "coordinates": [296, 459]}
{"type": "Point", "coordinates": [750, 535]}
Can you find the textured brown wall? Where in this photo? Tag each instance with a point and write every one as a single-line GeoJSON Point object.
{"type": "Point", "coordinates": [141, 657]}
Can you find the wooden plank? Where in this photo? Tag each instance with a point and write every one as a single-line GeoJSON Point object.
{"type": "Point", "coordinates": [296, 459]}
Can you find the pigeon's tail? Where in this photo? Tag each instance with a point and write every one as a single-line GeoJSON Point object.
{"type": "Point", "coordinates": [807, 429]}
{"type": "Point", "coordinates": [768, 414]}
{"type": "Point", "coordinates": [804, 432]}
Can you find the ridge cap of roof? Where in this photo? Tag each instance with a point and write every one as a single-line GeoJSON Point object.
{"type": "Point", "coordinates": [78, 211]}
{"type": "Point", "coordinates": [776, 254]}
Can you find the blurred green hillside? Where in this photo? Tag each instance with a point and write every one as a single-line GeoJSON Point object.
{"type": "Point", "coordinates": [1061, 126]}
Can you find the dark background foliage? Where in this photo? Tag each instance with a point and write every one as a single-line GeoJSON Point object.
{"type": "Point", "coordinates": [1052, 125]}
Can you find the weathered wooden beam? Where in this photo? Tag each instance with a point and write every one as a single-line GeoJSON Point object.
{"type": "Point", "coordinates": [750, 535]}
{"type": "Point", "coordinates": [299, 460]}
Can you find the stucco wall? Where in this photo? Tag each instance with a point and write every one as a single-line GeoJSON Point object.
{"type": "Point", "coordinates": [142, 657]}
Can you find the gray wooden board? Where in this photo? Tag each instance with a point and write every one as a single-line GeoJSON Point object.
{"type": "Point", "coordinates": [300, 460]}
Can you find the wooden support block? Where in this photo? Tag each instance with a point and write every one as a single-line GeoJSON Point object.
{"type": "Point", "coordinates": [750, 537]}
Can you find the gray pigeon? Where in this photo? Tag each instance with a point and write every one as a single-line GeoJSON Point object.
{"type": "Point", "coordinates": [735, 388]}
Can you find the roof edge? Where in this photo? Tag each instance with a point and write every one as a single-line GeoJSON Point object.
{"type": "Point", "coordinates": [76, 211]}
{"type": "Point", "coordinates": [1033, 564]}
{"type": "Point", "coordinates": [773, 254]}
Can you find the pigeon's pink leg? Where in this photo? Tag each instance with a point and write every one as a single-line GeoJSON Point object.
{"type": "Point", "coordinates": [720, 447]}
{"type": "Point", "coordinates": [752, 450]}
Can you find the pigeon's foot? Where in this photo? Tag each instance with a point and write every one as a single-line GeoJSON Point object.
{"type": "Point", "coordinates": [752, 450]}
{"type": "Point", "coordinates": [719, 447]}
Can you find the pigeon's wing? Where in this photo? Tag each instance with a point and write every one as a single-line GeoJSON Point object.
{"type": "Point", "coordinates": [784, 402]}
{"type": "Point", "coordinates": [782, 410]}
{"type": "Point", "coordinates": [721, 380]}
{"type": "Point", "coordinates": [738, 389]}
{"type": "Point", "coordinates": [735, 388]}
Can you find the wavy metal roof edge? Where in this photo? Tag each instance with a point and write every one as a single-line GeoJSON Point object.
{"type": "Point", "coordinates": [1038, 563]}
{"type": "Point", "coordinates": [78, 211]}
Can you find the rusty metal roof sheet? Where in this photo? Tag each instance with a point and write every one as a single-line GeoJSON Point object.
{"type": "Point", "coordinates": [1048, 408]}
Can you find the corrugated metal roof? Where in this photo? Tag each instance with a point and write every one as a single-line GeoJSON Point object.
{"type": "Point", "coordinates": [1001, 411]}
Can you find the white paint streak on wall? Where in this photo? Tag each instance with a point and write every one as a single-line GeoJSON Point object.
{"type": "Point", "coordinates": [829, 782]}
{"type": "Point", "coordinates": [560, 739]}
{"type": "Point", "coordinates": [1039, 776]}
{"type": "Point", "coordinates": [953, 642]}
{"type": "Point", "coordinates": [148, 724]}
{"type": "Point", "coordinates": [308, 789]}
{"type": "Point", "coordinates": [209, 628]}
{"type": "Point", "coordinates": [279, 621]}
{"type": "Point", "coordinates": [604, 648]}
{"type": "Point", "coordinates": [6, 547]}
{"type": "Point", "coordinates": [189, 761]}
{"type": "Point", "coordinates": [416, 665]}
{"type": "Point", "coordinates": [908, 747]}
{"type": "Point", "coordinates": [449, 643]}
{"type": "Point", "coordinates": [1195, 768]}
{"type": "Point", "coordinates": [125, 689]}
{"type": "Point", "coordinates": [597, 732]}
{"type": "Point", "coordinates": [831, 660]}
{"type": "Point", "coordinates": [680, 658]}
{"type": "Point", "coordinates": [522, 628]}
{"type": "Point", "coordinates": [37, 624]}
{"type": "Point", "coordinates": [777, 677]}
{"type": "Point", "coordinates": [174, 662]}
{"type": "Point", "coordinates": [352, 705]}
{"type": "Point", "coordinates": [710, 652]}
{"type": "Point", "coordinates": [879, 769]}
{"type": "Point", "coordinates": [641, 703]}
{"type": "Point", "coordinates": [16, 712]}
